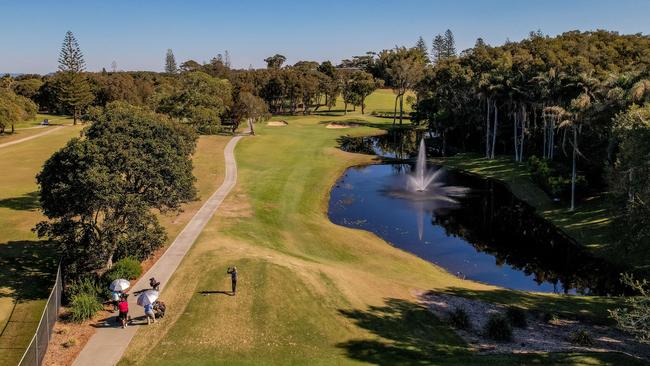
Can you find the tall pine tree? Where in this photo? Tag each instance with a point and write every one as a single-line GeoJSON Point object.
{"type": "Point", "coordinates": [170, 62]}
{"type": "Point", "coordinates": [421, 46]}
{"type": "Point", "coordinates": [74, 92]}
{"type": "Point", "coordinates": [438, 48]}
{"type": "Point", "coordinates": [450, 44]}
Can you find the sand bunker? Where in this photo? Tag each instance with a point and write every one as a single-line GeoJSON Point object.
{"type": "Point", "coordinates": [277, 123]}
{"type": "Point", "coordinates": [341, 125]}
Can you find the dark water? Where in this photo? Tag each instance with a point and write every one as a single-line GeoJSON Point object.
{"type": "Point", "coordinates": [488, 236]}
{"type": "Point", "coordinates": [395, 144]}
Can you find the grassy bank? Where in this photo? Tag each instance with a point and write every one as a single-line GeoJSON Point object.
{"type": "Point", "coordinates": [589, 224]}
{"type": "Point", "coordinates": [311, 292]}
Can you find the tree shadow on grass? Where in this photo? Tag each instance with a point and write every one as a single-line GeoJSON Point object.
{"type": "Point", "coordinates": [27, 268]}
{"type": "Point", "coordinates": [407, 333]}
{"type": "Point", "coordinates": [26, 202]}
{"type": "Point", "coordinates": [592, 309]}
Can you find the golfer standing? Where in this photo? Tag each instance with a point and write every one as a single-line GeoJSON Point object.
{"type": "Point", "coordinates": [232, 271]}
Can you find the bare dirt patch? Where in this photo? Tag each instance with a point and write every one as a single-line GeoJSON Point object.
{"type": "Point", "coordinates": [277, 123]}
{"type": "Point", "coordinates": [540, 335]}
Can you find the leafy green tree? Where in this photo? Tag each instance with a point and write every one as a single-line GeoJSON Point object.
{"type": "Point", "coordinates": [406, 69]}
{"type": "Point", "coordinates": [190, 65]}
{"type": "Point", "coordinates": [74, 92]}
{"type": "Point", "coordinates": [14, 108]}
{"type": "Point", "coordinates": [275, 61]}
{"type": "Point", "coordinates": [363, 84]}
{"type": "Point", "coordinates": [253, 109]}
{"type": "Point", "coordinates": [27, 88]}
{"type": "Point", "coordinates": [629, 177]}
{"type": "Point", "coordinates": [200, 101]}
{"type": "Point", "coordinates": [170, 62]}
{"type": "Point", "coordinates": [98, 192]}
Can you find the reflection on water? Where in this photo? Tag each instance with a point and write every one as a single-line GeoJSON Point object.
{"type": "Point", "coordinates": [395, 144]}
{"type": "Point", "coordinates": [488, 235]}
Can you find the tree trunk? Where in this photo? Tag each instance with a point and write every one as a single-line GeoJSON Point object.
{"type": "Point", "coordinates": [487, 128]}
{"type": "Point", "coordinates": [74, 116]}
{"type": "Point", "coordinates": [523, 123]}
{"type": "Point", "coordinates": [573, 173]}
{"type": "Point", "coordinates": [250, 126]}
{"type": "Point", "coordinates": [496, 122]}
{"type": "Point", "coordinates": [345, 110]}
{"type": "Point", "coordinates": [12, 129]}
{"type": "Point", "coordinates": [401, 108]}
{"type": "Point", "coordinates": [516, 136]}
{"type": "Point", "coordinates": [395, 110]}
{"type": "Point", "coordinates": [363, 101]}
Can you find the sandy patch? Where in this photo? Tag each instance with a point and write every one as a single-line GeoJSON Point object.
{"type": "Point", "coordinates": [538, 336]}
{"type": "Point", "coordinates": [277, 123]}
{"type": "Point", "coordinates": [341, 125]}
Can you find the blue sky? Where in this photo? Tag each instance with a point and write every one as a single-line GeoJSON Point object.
{"type": "Point", "coordinates": [136, 34]}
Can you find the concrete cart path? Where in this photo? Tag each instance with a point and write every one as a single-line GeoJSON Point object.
{"type": "Point", "coordinates": [48, 131]}
{"type": "Point", "coordinates": [109, 342]}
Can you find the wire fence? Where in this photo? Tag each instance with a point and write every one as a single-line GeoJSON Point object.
{"type": "Point", "coordinates": [37, 348]}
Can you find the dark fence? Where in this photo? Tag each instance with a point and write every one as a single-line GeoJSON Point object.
{"type": "Point", "coordinates": [35, 352]}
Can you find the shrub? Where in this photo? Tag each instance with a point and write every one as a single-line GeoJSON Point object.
{"type": "Point", "coordinates": [69, 343]}
{"type": "Point", "coordinates": [127, 268]}
{"type": "Point", "coordinates": [84, 306]}
{"type": "Point", "coordinates": [459, 319]}
{"type": "Point", "coordinates": [498, 328]}
{"type": "Point", "coordinates": [550, 318]}
{"type": "Point", "coordinates": [517, 317]}
{"type": "Point", "coordinates": [85, 285]}
{"type": "Point", "coordinates": [581, 338]}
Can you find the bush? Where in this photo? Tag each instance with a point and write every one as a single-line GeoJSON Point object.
{"type": "Point", "coordinates": [84, 306]}
{"type": "Point", "coordinates": [550, 318]}
{"type": "Point", "coordinates": [69, 343]}
{"type": "Point", "coordinates": [581, 338]}
{"type": "Point", "coordinates": [85, 285]}
{"type": "Point", "coordinates": [127, 268]}
{"type": "Point", "coordinates": [551, 181]}
{"type": "Point", "coordinates": [498, 328]}
{"type": "Point", "coordinates": [517, 317]}
{"type": "Point", "coordinates": [459, 319]}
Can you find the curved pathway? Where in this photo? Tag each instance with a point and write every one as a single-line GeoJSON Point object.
{"type": "Point", "coordinates": [109, 342]}
{"type": "Point", "coordinates": [50, 130]}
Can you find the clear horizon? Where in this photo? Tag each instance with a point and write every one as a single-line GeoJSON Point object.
{"type": "Point", "coordinates": [137, 36]}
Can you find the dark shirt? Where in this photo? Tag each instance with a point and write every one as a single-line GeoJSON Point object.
{"type": "Point", "coordinates": [233, 274]}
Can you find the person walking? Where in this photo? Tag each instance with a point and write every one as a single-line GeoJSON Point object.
{"type": "Point", "coordinates": [232, 271]}
{"type": "Point", "coordinates": [123, 306]}
{"type": "Point", "coordinates": [148, 311]}
{"type": "Point", "coordinates": [115, 299]}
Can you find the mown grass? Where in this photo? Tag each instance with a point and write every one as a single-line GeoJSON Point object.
{"type": "Point", "coordinates": [28, 263]}
{"type": "Point", "coordinates": [311, 292]}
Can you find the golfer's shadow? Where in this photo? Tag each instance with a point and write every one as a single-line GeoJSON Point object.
{"type": "Point", "coordinates": [229, 293]}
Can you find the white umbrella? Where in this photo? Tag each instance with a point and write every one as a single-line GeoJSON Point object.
{"type": "Point", "coordinates": [119, 285]}
{"type": "Point", "coordinates": [147, 297]}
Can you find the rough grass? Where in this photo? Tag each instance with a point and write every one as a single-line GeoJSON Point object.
{"type": "Point", "coordinates": [311, 292]}
{"type": "Point", "coordinates": [27, 263]}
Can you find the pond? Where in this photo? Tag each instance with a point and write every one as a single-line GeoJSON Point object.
{"type": "Point", "coordinates": [394, 144]}
{"type": "Point", "coordinates": [480, 232]}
